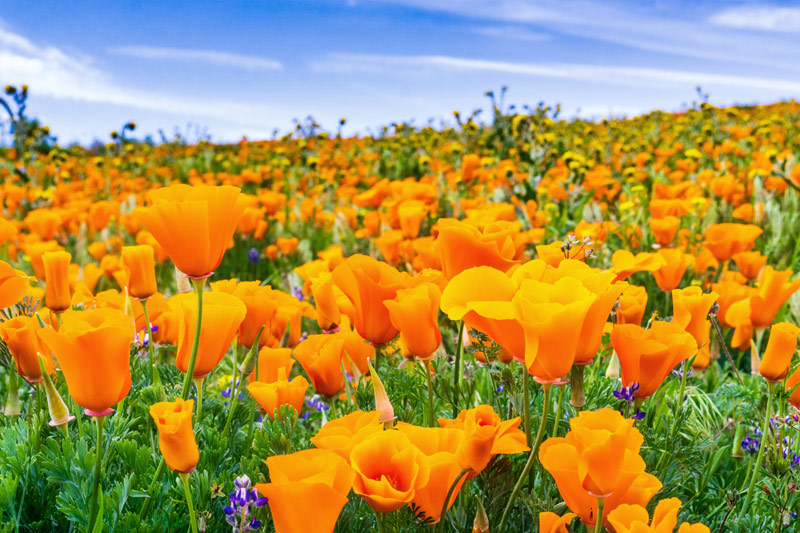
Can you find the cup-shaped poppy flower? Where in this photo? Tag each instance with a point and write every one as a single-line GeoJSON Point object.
{"type": "Point", "coordinates": [728, 239]}
{"type": "Point", "coordinates": [261, 308]}
{"type": "Point", "coordinates": [270, 362]}
{"type": "Point", "coordinates": [415, 312]}
{"type": "Point", "coordinates": [781, 347]}
{"type": "Point", "coordinates": [599, 456]}
{"type": "Point", "coordinates": [341, 434]}
{"type": "Point", "coordinates": [321, 358]}
{"type": "Point", "coordinates": [664, 229]}
{"type": "Point", "coordinates": [624, 263]}
{"type": "Point", "coordinates": [690, 311]}
{"type": "Point", "coordinates": [647, 356]}
{"type": "Point", "coordinates": [222, 315]}
{"type": "Point", "coordinates": [140, 264]}
{"type": "Point", "coordinates": [411, 213]}
{"type": "Point", "coordinates": [632, 304]}
{"type": "Point", "coordinates": [440, 445]}
{"type": "Point", "coordinates": [176, 434]}
{"type": "Point", "coordinates": [481, 297]}
{"type": "Point", "coordinates": [368, 283]}
{"type": "Point", "coordinates": [389, 469]}
{"type": "Point", "coordinates": [193, 225]}
{"type": "Point", "coordinates": [272, 396]}
{"type": "Point", "coordinates": [553, 523]}
{"type": "Point", "coordinates": [750, 264]}
{"type": "Point", "coordinates": [552, 318]}
{"type": "Point", "coordinates": [21, 336]}
{"type": "Point", "coordinates": [56, 268]}
{"type": "Point", "coordinates": [635, 519]}
{"type": "Point", "coordinates": [791, 383]}
{"type": "Point", "coordinates": [328, 314]}
{"type": "Point", "coordinates": [317, 476]}
{"type": "Point", "coordinates": [13, 285]}
{"type": "Point", "coordinates": [774, 288]}
{"type": "Point", "coordinates": [357, 351]}
{"type": "Point", "coordinates": [669, 275]}
{"type": "Point", "coordinates": [92, 348]}
{"type": "Point", "coordinates": [485, 435]}
{"type": "Point", "coordinates": [462, 246]}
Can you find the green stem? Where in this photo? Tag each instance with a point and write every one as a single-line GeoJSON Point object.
{"type": "Point", "coordinates": [760, 456]}
{"type": "Point", "coordinates": [576, 386]}
{"type": "Point", "coordinates": [199, 285]}
{"type": "Point", "coordinates": [234, 390]}
{"type": "Point", "coordinates": [526, 405]}
{"type": "Point", "coordinates": [531, 459]}
{"type": "Point", "coordinates": [598, 526]}
{"type": "Point", "coordinates": [96, 492]}
{"type": "Point", "coordinates": [155, 379]}
{"type": "Point", "coordinates": [151, 491]}
{"type": "Point", "coordinates": [379, 521]}
{"type": "Point", "coordinates": [558, 409]}
{"type": "Point", "coordinates": [431, 420]}
{"type": "Point", "coordinates": [198, 383]}
{"type": "Point", "coordinates": [12, 402]}
{"type": "Point", "coordinates": [449, 496]}
{"type": "Point", "coordinates": [188, 493]}
{"type": "Point", "coordinates": [457, 366]}
{"type": "Point", "coordinates": [334, 415]}
{"type": "Point", "coordinates": [679, 403]}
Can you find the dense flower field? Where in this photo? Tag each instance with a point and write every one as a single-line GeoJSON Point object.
{"type": "Point", "coordinates": [531, 324]}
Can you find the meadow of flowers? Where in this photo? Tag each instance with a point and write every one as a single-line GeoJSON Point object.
{"type": "Point", "coordinates": [527, 324]}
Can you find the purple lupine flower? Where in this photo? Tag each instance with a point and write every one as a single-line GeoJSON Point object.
{"type": "Point", "coordinates": [297, 292]}
{"type": "Point", "coordinates": [252, 255]}
{"type": "Point", "coordinates": [240, 513]}
{"type": "Point", "coordinates": [627, 394]}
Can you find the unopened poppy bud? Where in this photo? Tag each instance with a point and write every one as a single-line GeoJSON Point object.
{"type": "Point", "coordinates": [56, 269]}
{"type": "Point", "coordinates": [250, 362]}
{"type": "Point", "coordinates": [59, 413]}
{"type": "Point", "coordinates": [382, 402]}
{"type": "Point", "coordinates": [481, 522]}
{"type": "Point", "coordinates": [140, 264]}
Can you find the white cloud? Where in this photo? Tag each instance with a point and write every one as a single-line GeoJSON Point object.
{"type": "Point", "coordinates": [225, 59]}
{"type": "Point", "coordinates": [53, 73]}
{"type": "Point", "coordinates": [646, 77]}
{"type": "Point", "coordinates": [515, 33]}
{"type": "Point", "coordinates": [776, 19]}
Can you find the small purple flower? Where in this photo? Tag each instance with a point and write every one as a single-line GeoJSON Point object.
{"type": "Point", "coordinates": [239, 514]}
{"type": "Point", "coordinates": [252, 255]}
{"type": "Point", "coordinates": [627, 394]}
{"type": "Point", "coordinates": [297, 292]}
{"type": "Point", "coordinates": [751, 445]}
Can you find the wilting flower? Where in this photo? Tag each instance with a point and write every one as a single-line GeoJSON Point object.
{"type": "Point", "coordinates": [140, 265]}
{"type": "Point", "coordinates": [193, 224]}
{"type": "Point", "coordinates": [222, 315]}
{"type": "Point", "coordinates": [318, 477]}
{"type": "Point", "coordinates": [175, 434]}
{"type": "Point", "coordinates": [781, 347]}
{"type": "Point", "coordinates": [648, 355]}
{"type": "Point", "coordinates": [415, 313]}
{"type": "Point", "coordinates": [56, 268]}
{"type": "Point", "coordinates": [321, 358]}
{"type": "Point", "coordinates": [389, 469]}
{"type": "Point", "coordinates": [368, 283]}
{"type": "Point", "coordinates": [21, 335]}
{"type": "Point", "coordinates": [93, 348]}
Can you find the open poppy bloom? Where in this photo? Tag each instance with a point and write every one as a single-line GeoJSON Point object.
{"type": "Point", "coordinates": [669, 275]}
{"type": "Point", "coordinates": [647, 356]}
{"type": "Point", "coordinates": [56, 268]}
{"type": "Point", "coordinates": [13, 285]}
{"type": "Point", "coordinates": [21, 336]}
{"type": "Point", "coordinates": [552, 523]}
{"type": "Point", "coordinates": [270, 362]}
{"type": "Point", "coordinates": [690, 311]}
{"type": "Point", "coordinates": [728, 239]}
{"type": "Point", "coordinates": [415, 312]}
{"type": "Point", "coordinates": [92, 348]}
{"type": "Point", "coordinates": [634, 519]}
{"type": "Point", "coordinates": [140, 265]}
{"type": "Point", "coordinates": [272, 396]}
{"type": "Point", "coordinates": [462, 246]}
{"type": "Point", "coordinates": [261, 308]}
{"type": "Point", "coordinates": [389, 470]}
{"type": "Point", "coordinates": [321, 358]}
{"type": "Point", "coordinates": [341, 434]}
{"type": "Point", "coordinates": [774, 288]}
{"type": "Point", "coordinates": [193, 225]}
{"type": "Point", "coordinates": [317, 476]}
{"type": "Point", "coordinates": [176, 434]}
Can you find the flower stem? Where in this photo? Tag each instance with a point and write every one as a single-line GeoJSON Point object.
{"type": "Point", "coordinates": [679, 402]}
{"type": "Point", "coordinates": [12, 402]}
{"type": "Point", "coordinates": [431, 420]}
{"type": "Point", "coordinates": [188, 493]}
{"type": "Point", "coordinates": [457, 366]}
{"type": "Point", "coordinates": [598, 526]}
{"type": "Point", "coordinates": [526, 405]}
{"type": "Point", "coordinates": [234, 389]}
{"type": "Point", "coordinates": [155, 378]}
{"type": "Point", "coordinates": [531, 459]}
{"type": "Point", "coordinates": [96, 492]}
{"type": "Point", "coordinates": [199, 285]}
{"type": "Point", "coordinates": [577, 390]}
{"type": "Point", "coordinates": [152, 489]}
{"type": "Point", "coordinates": [760, 456]}
{"type": "Point", "coordinates": [558, 409]}
{"type": "Point", "coordinates": [198, 383]}
{"type": "Point", "coordinates": [450, 496]}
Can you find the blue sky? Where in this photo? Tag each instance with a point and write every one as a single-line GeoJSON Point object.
{"type": "Point", "coordinates": [248, 68]}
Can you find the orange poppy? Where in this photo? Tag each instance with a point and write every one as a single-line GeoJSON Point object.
{"type": "Point", "coordinates": [552, 523]}
{"type": "Point", "coordinates": [13, 285]}
{"type": "Point", "coordinates": [21, 335]}
{"type": "Point", "coordinates": [321, 358]}
{"type": "Point", "coordinates": [774, 288]}
{"type": "Point", "coordinates": [261, 309]}
{"type": "Point", "coordinates": [272, 396]}
{"type": "Point", "coordinates": [780, 349]}
{"type": "Point", "coordinates": [328, 314]}
{"type": "Point", "coordinates": [669, 275]}
{"type": "Point", "coordinates": [462, 246]}
{"type": "Point", "coordinates": [691, 307]}
{"type": "Point", "coordinates": [270, 362]}
{"type": "Point", "coordinates": [56, 268]}
{"type": "Point", "coordinates": [193, 225]}
{"type": "Point", "coordinates": [341, 434]}
{"type": "Point", "coordinates": [140, 264]}
{"type": "Point", "coordinates": [97, 379]}
{"type": "Point", "coordinates": [750, 264]}
{"type": "Point", "coordinates": [728, 239]}
{"type": "Point", "coordinates": [632, 304]}
{"type": "Point", "coordinates": [415, 312]}
{"type": "Point", "coordinates": [176, 434]}
{"type": "Point", "coordinates": [665, 229]}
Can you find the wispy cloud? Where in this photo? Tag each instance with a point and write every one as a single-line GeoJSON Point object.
{"type": "Point", "coordinates": [619, 75]}
{"type": "Point", "coordinates": [515, 33]}
{"type": "Point", "coordinates": [766, 18]}
{"type": "Point", "coordinates": [54, 73]}
{"type": "Point", "coordinates": [636, 25]}
{"type": "Point", "coordinates": [213, 57]}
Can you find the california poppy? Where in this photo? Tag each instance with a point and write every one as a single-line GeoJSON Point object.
{"type": "Point", "coordinates": [193, 224]}
{"type": "Point", "coordinates": [261, 308]}
{"type": "Point", "coordinates": [21, 335]}
{"type": "Point", "coordinates": [774, 288]}
{"type": "Point", "coordinates": [13, 285]}
{"type": "Point", "coordinates": [176, 434]}
{"type": "Point", "coordinates": [462, 246]}
{"type": "Point", "coordinates": [415, 312]}
{"type": "Point", "coordinates": [780, 349]}
{"type": "Point", "coordinates": [272, 396]}
{"type": "Point", "coordinates": [97, 378]}
{"type": "Point", "coordinates": [56, 267]}
{"type": "Point", "coordinates": [321, 358]}
{"type": "Point", "coordinates": [270, 363]}
{"type": "Point", "coordinates": [664, 229]}
{"type": "Point", "coordinates": [728, 239]}
{"type": "Point", "coordinates": [553, 523]}
{"type": "Point", "coordinates": [140, 265]}
{"type": "Point", "coordinates": [328, 314]}
{"type": "Point", "coordinates": [341, 434]}
{"type": "Point", "coordinates": [632, 304]}
{"type": "Point", "coordinates": [668, 276]}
